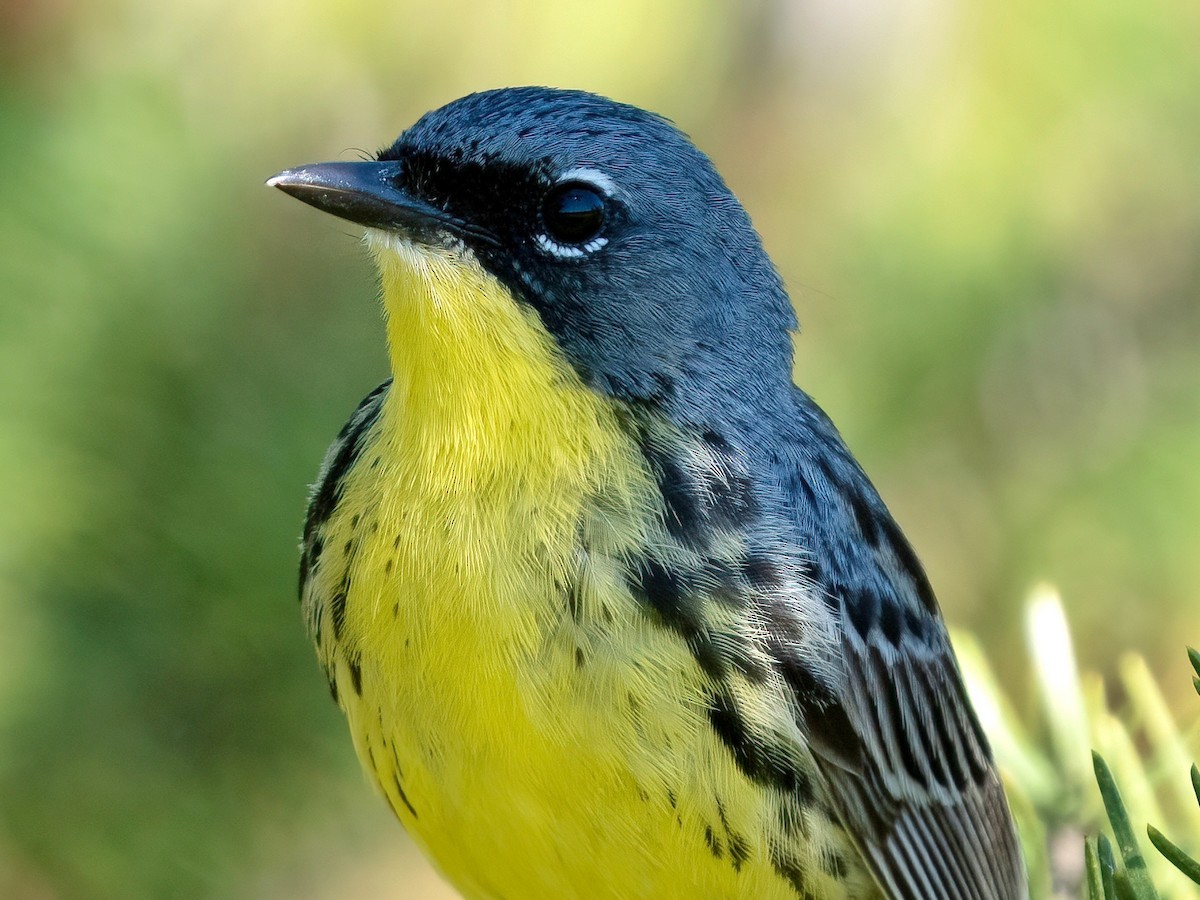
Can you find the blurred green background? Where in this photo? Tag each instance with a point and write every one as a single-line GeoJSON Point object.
{"type": "Point", "coordinates": [988, 214]}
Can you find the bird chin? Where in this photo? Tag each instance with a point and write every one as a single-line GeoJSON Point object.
{"type": "Point", "coordinates": [392, 247]}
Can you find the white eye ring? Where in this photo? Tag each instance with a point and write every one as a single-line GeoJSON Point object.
{"type": "Point", "coordinates": [604, 186]}
{"type": "Point", "coordinates": [562, 251]}
{"type": "Point", "coordinates": [594, 177]}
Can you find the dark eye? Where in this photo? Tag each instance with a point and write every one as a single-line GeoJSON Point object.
{"type": "Point", "coordinates": [573, 213]}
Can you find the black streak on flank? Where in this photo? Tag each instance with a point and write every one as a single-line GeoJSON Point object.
{"type": "Point", "coordinates": [835, 864]}
{"type": "Point", "coordinates": [739, 850]}
{"type": "Point", "coordinates": [700, 502]}
{"type": "Point", "coordinates": [790, 871]}
{"type": "Point", "coordinates": [733, 502]}
{"type": "Point", "coordinates": [355, 675]}
{"type": "Point", "coordinates": [676, 601]}
{"type": "Point", "coordinates": [681, 501]}
{"type": "Point", "coordinates": [309, 555]}
{"type": "Point", "coordinates": [403, 796]}
{"type": "Point", "coordinates": [350, 442]}
{"type": "Point", "coordinates": [758, 760]}
{"type": "Point", "coordinates": [665, 592]}
{"type": "Point", "coordinates": [337, 608]}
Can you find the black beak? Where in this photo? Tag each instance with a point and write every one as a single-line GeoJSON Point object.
{"type": "Point", "coordinates": [367, 193]}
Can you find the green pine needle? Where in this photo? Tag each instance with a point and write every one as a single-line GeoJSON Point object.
{"type": "Point", "coordinates": [1097, 877]}
{"type": "Point", "coordinates": [1108, 868]}
{"type": "Point", "coordinates": [1177, 858]}
{"type": "Point", "coordinates": [1136, 874]}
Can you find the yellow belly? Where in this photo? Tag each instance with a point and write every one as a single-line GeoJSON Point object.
{"type": "Point", "coordinates": [533, 728]}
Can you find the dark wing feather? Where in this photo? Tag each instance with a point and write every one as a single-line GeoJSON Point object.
{"type": "Point", "coordinates": [908, 768]}
{"type": "Point", "coordinates": [912, 777]}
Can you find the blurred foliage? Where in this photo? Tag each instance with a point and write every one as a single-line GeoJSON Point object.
{"type": "Point", "coordinates": [1132, 879]}
{"type": "Point", "coordinates": [1060, 786]}
{"type": "Point", "coordinates": [986, 213]}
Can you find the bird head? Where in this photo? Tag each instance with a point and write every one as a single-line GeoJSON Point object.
{"type": "Point", "coordinates": [601, 218]}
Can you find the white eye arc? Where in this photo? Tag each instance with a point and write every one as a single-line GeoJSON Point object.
{"type": "Point", "coordinates": [567, 251]}
{"type": "Point", "coordinates": [574, 214]}
{"type": "Point", "coordinates": [594, 177]}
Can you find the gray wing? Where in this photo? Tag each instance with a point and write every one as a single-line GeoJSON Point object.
{"type": "Point", "coordinates": [903, 756]}
{"type": "Point", "coordinates": [912, 777]}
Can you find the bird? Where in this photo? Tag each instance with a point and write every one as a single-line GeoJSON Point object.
{"type": "Point", "coordinates": [611, 609]}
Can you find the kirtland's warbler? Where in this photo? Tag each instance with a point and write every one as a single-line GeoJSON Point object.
{"type": "Point", "coordinates": [609, 606]}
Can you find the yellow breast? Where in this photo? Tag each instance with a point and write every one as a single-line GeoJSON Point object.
{"type": "Point", "coordinates": [531, 726]}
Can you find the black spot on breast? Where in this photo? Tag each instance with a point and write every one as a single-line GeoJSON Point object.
{"type": "Point", "coordinates": [784, 626]}
{"type": "Point", "coordinates": [676, 598]}
{"type": "Point", "coordinates": [723, 583]}
{"type": "Point", "coordinates": [752, 668]}
{"type": "Point", "coordinates": [714, 844]}
{"type": "Point", "coordinates": [809, 689]}
{"type": "Point", "coordinates": [759, 760]}
{"type": "Point", "coordinates": [699, 500]}
{"type": "Point", "coordinates": [572, 590]}
{"type": "Point", "coordinates": [733, 504]}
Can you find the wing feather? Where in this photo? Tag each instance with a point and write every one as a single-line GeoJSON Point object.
{"type": "Point", "coordinates": [903, 757]}
{"type": "Point", "coordinates": [924, 803]}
